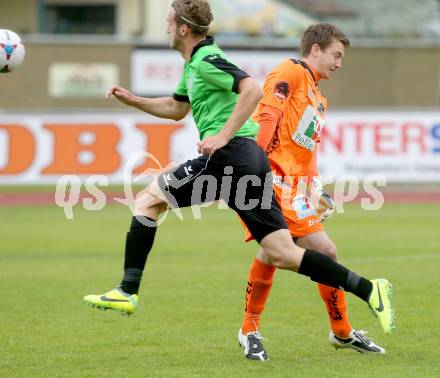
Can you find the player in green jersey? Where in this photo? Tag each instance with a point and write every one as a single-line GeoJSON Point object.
{"type": "Point", "coordinates": [222, 98]}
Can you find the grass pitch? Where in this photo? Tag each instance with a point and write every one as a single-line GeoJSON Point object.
{"type": "Point", "coordinates": [192, 297]}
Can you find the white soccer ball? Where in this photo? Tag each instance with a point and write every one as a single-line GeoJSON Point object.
{"type": "Point", "coordinates": [12, 50]}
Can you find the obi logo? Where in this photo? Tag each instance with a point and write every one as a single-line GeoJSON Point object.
{"type": "Point", "coordinates": [78, 148]}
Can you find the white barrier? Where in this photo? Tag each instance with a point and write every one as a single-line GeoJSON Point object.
{"type": "Point", "coordinates": [401, 146]}
{"type": "Point", "coordinates": [34, 149]}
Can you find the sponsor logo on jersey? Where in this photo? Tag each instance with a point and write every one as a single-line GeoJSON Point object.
{"type": "Point", "coordinates": [302, 207]}
{"type": "Point", "coordinates": [309, 129]}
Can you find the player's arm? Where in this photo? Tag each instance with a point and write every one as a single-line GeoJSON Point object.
{"type": "Point", "coordinates": [162, 107]}
{"type": "Point", "coordinates": [269, 120]}
{"type": "Point", "coordinates": [322, 201]}
{"type": "Point", "coordinates": [279, 86]}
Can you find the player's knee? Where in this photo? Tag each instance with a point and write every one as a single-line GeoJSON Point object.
{"type": "Point", "coordinates": [147, 204]}
{"type": "Point", "coordinates": [262, 256]}
{"type": "Point", "coordinates": [283, 260]}
{"type": "Point", "coordinates": [282, 252]}
{"type": "Point", "coordinates": [272, 256]}
{"type": "Point", "coordinates": [278, 260]}
{"type": "Point", "coordinates": [330, 250]}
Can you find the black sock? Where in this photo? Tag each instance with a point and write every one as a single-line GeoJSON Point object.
{"type": "Point", "coordinates": [138, 244]}
{"type": "Point", "coordinates": [321, 268]}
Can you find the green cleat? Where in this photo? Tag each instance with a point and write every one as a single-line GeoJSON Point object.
{"type": "Point", "coordinates": [114, 299]}
{"type": "Point", "coordinates": [380, 304]}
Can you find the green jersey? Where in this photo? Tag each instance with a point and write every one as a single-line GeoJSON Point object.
{"type": "Point", "coordinates": [210, 83]}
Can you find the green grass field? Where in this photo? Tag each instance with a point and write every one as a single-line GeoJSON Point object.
{"type": "Point", "coordinates": [192, 297]}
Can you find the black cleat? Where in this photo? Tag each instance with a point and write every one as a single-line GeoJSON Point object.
{"type": "Point", "coordinates": [252, 345]}
{"type": "Point", "coordinates": [357, 341]}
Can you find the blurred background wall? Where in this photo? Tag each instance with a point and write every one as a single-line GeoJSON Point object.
{"type": "Point", "coordinates": [394, 60]}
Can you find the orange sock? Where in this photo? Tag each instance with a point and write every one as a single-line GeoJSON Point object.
{"type": "Point", "coordinates": [258, 288]}
{"type": "Point", "coordinates": [336, 304]}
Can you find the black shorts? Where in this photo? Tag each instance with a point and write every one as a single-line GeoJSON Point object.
{"type": "Point", "coordinates": [240, 174]}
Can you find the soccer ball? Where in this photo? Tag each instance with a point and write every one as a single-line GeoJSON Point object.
{"type": "Point", "coordinates": [11, 50]}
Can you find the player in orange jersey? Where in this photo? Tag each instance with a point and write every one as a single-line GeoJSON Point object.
{"type": "Point", "coordinates": [291, 116]}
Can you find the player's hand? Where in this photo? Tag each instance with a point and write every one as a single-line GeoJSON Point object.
{"type": "Point", "coordinates": [211, 144]}
{"type": "Point", "coordinates": [321, 200]}
{"type": "Point", "coordinates": [326, 206]}
{"type": "Point", "coordinates": [123, 95]}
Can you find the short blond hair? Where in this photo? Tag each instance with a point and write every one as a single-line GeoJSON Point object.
{"type": "Point", "coordinates": [196, 14]}
{"type": "Point", "coordinates": [322, 34]}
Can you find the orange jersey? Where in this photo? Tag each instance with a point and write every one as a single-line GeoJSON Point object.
{"type": "Point", "coordinates": [291, 88]}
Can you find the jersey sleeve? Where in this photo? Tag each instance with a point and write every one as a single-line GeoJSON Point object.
{"type": "Point", "coordinates": [269, 120]}
{"type": "Point", "coordinates": [181, 93]}
{"type": "Point", "coordinates": [217, 70]}
{"type": "Point", "coordinates": [280, 85]}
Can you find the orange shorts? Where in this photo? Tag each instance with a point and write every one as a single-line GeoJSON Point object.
{"type": "Point", "coordinates": [298, 212]}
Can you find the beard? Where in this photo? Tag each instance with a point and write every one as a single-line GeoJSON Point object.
{"type": "Point", "coordinates": [176, 43]}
